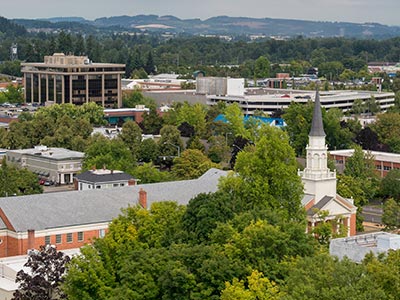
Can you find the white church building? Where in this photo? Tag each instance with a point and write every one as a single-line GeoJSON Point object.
{"type": "Point", "coordinates": [320, 183]}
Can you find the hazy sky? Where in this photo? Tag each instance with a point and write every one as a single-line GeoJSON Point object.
{"type": "Point", "coordinates": [359, 11]}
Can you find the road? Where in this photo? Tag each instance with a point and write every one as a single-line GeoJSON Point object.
{"type": "Point", "coordinates": [372, 214]}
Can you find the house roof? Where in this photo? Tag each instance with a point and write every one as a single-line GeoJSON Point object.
{"type": "Point", "coordinates": [319, 205]}
{"type": "Point", "coordinates": [317, 127]}
{"type": "Point", "coordinates": [336, 205]}
{"type": "Point", "coordinates": [100, 176]}
{"type": "Point", "coordinates": [55, 210]}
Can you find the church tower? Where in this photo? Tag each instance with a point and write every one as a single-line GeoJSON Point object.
{"type": "Point", "coordinates": [317, 178]}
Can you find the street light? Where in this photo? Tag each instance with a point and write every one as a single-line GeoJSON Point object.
{"type": "Point", "coordinates": [176, 146]}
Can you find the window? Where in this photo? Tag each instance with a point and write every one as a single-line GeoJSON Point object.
{"type": "Point", "coordinates": [115, 184]}
{"type": "Point", "coordinates": [69, 237]}
{"type": "Point", "coordinates": [58, 238]}
{"type": "Point", "coordinates": [80, 236]}
{"type": "Point", "coordinates": [47, 240]}
{"type": "Point", "coordinates": [122, 184]}
{"type": "Point", "coordinates": [386, 168]}
{"type": "Point", "coordinates": [98, 186]}
{"type": "Point", "coordinates": [102, 233]}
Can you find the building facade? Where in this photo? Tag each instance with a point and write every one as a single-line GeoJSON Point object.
{"type": "Point", "coordinates": [271, 100]}
{"type": "Point", "coordinates": [72, 219]}
{"type": "Point", "coordinates": [320, 195]}
{"type": "Point", "coordinates": [383, 161]}
{"type": "Point", "coordinates": [56, 164]}
{"type": "Point", "coordinates": [73, 79]}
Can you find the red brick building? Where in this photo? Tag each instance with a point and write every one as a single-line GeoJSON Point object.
{"type": "Point", "coordinates": [383, 161]}
{"type": "Point", "coordinates": [71, 219]}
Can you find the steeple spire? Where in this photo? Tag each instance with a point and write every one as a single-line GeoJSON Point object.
{"type": "Point", "coordinates": [317, 127]}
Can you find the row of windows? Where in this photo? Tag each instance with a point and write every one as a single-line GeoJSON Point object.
{"type": "Point", "coordinates": [69, 237]}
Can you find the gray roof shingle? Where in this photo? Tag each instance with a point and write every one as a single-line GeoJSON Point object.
{"type": "Point", "coordinates": [53, 210]}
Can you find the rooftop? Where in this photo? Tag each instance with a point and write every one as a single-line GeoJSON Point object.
{"type": "Point", "coordinates": [356, 247]}
{"type": "Point", "coordinates": [379, 156]}
{"type": "Point", "coordinates": [50, 153]}
{"type": "Point", "coordinates": [74, 208]}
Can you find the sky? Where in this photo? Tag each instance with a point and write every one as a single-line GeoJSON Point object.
{"type": "Point", "coordinates": [357, 11]}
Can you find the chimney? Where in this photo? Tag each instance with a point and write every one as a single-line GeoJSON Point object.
{"type": "Point", "coordinates": [31, 238]}
{"type": "Point", "coordinates": [131, 182]}
{"type": "Point", "coordinates": [143, 198]}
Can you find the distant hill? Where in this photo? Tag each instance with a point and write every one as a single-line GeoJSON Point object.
{"type": "Point", "coordinates": [223, 25]}
{"type": "Point", "coordinates": [10, 28]}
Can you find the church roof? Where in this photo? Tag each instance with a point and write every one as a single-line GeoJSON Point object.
{"type": "Point", "coordinates": [317, 127]}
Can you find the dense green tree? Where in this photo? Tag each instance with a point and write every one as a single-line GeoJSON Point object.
{"type": "Point", "coordinates": [258, 288]}
{"type": "Point", "coordinates": [324, 277]}
{"type": "Point", "coordinates": [192, 164]}
{"type": "Point", "coordinates": [391, 214]}
{"type": "Point", "coordinates": [387, 126]}
{"type": "Point", "coordinates": [15, 181]}
{"type": "Point", "coordinates": [391, 184]}
{"type": "Point", "coordinates": [170, 143]}
{"type": "Point", "coordinates": [148, 151]}
{"type": "Point", "coordinates": [148, 173]}
{"type": "Point", "coordinates": [152, 122]}
{"type": "Point", "coordinates": [267, 175]}
{"type": "Point", "coordinates": [111, 154]}
{"type": "Point", "coordinates": [262, 67]}
{"type": "Point", "coordinates": [131, 135]}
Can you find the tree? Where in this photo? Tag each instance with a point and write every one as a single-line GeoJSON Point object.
{"type": "Point", "coordinates": [148, 151]}
{"type": "Point", "coordinates": [391, 185]}
{"type": "Point", "coordinates": [131, 135]}
{"type": "Point", "coordinates": [43, 281]}
{"type": "Point", "coordinates": [148, 173]}
{"type": "Point", "coordinates": [309, 277]}
{"type": "Point", "coordinates": [170, 141]}
{"type": "Point", "coordinates": [111, 154]}
{"type": "Point", "coordinates": [192, 164]}
{"type": "Point", "coordinates": [194, 115]}
{"type": "Point", "coordinates": [298, 118]}
{"type": "Point", "coordinates": [152, 122]}
{"type": "Point", "coordinates": [262, 67]}
{"type": "Point", "coordinates": [391, 214]}
{"type": "Point", "coordinates": [360, 165]}
{"type": "Point", "coordinates": [15, 181]}
{"type": "Point", "coordinates": [267, 175]}
{"type": "Point", "coordinates": [387, 126]}
{"type": "Point", "coordinates": [258, 288]}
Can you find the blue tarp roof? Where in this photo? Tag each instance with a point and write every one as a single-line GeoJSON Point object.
{"type": "Point", "coordinates": [271, 121]}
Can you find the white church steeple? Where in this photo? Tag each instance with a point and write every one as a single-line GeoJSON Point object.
{"type": "Point", "coordinates": [317, 178]}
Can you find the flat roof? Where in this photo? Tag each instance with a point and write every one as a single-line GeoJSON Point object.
{"type": "Point", "coordinates": [50, 153]}
{"type": "Point", "coordinates": [96, 65]}
{"type": "Point", "coordinates": [380, 156]}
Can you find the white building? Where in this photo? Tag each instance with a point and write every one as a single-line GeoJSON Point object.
{"type": "Point", "coordinates": [56, 164]}
{"type": "Point", "coordinates": [355, 248]}
{"type": "Point", "coordinates": [270, 100]}
{"type": "Point", "coordinates": [102, 179]}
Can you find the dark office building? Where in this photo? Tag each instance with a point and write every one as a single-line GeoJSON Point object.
{"type": "Point", "coordinates": [73, 79]}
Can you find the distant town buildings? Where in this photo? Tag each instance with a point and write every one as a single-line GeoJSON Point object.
{"type": "Point", "coordinates": [56, 164]}
{"type": "Point", "coordinates": [270, 100]}
{"type": "Point", "coordinates": [73, 79]}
